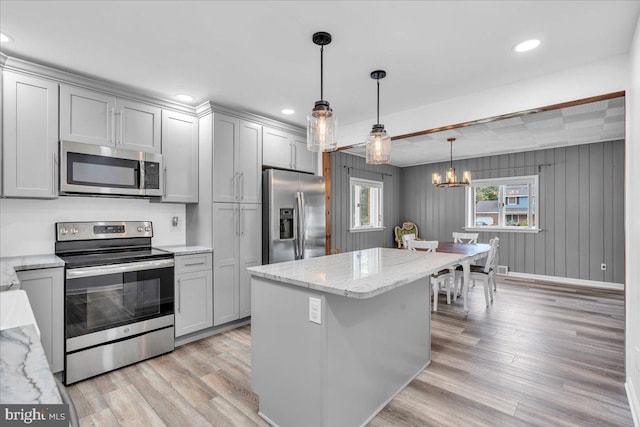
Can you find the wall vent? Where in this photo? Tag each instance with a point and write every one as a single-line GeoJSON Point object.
{"type": "Point", "coordinates": [503, 270]}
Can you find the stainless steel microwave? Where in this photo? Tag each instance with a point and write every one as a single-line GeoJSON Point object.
{"type": "Point", "coordinates": [94, 169]}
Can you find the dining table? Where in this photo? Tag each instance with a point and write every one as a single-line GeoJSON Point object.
{"type": "Point", "coordinates": [472, 253]}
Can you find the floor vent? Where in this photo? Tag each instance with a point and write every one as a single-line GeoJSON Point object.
{"type": "Point", "coordinates": [503, 270]}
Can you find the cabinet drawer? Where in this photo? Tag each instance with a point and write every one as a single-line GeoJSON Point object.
{"type": "Point", "coordinates": [197, 262]}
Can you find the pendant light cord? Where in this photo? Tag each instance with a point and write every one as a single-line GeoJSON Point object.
{"type": "Point", "coordinates": [451, 155]}
{"type": "Point", "coordinates": [321, 71]}
{"type": "Point", "coordinates": [378, 107]}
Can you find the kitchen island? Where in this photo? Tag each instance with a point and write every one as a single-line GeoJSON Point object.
{"type": "Point", "coordinates": [335, 338]}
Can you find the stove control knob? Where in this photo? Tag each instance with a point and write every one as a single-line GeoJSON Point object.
{"type": "Point", "coordinates": [74, 231]}
{"type": "Point", "coordinates": [140, 229]}
{"type": "Point", "coordinates": [147, 228]}
{"type": "Point", "coordinates": [64, 231]}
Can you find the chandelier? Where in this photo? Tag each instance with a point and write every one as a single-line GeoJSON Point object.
{"type": "Point", "coordinates": [451, 177]}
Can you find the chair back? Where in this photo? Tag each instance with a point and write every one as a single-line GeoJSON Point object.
{"type": "Point", "coordinates": [407, 239]}
{"type": "Point", "coordinates": [492, 258]}
{"type": "Point", "coordinates": [428, 245]}
{"type": "Point", "coordinates": [465, 237]}
{"type": "Point", "coordinates": [407, 228]}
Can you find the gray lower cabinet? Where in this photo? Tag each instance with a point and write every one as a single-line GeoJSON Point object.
{"type": "Point", "coordinates": [30, 136]}
{"type": "Point", "coordinates": [180, 157]}
{"type": "Point", "coordinates": [93, 117]}
{"type": "Point", "coordinates": [286, 150]}
{"type": "Point", "coordinates": [45, 289]}
{"type": "Point", "coordinates": [237, 242]}
{"type": "Point", "coordinates": [193, 293]}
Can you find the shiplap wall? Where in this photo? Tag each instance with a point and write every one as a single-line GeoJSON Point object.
{"type": "Point", "coordinates": [344, 166]}
{"type": "Point", "coordinates": [581, 209]}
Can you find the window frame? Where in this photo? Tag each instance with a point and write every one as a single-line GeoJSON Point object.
{"type": "Point", "coordinates": [380, 204]}
{"type": "Point", "coordinates": [533, 212]}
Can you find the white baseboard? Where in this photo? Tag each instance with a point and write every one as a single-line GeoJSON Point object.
{"type": "Point", "coordinates": [565, 281]}
{"type": "Point", "coordinates": [633, 402]}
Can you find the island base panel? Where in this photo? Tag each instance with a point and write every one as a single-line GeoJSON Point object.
{"type": "Point", "coordinates": [340, 372]}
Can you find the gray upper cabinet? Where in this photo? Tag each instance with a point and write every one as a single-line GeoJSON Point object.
{"type": "Point", "coordinates": [180, 157]}
{"type": "Point", "coordinates": [237, 160]}
{"type": "Point", "coordinates": [97, 118]}
{"type": "Point", "coordinates": [287, 151]}
{"type": "Point", "coordinates": [30, 136]}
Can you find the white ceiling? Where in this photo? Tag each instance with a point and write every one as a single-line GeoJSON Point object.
{"type": "Point", "coordinates": [581, 124]}
{"type": "Point", "coordinates": [258, 55]}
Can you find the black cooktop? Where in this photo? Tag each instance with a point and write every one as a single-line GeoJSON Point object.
{"type": "Point", "coordinates": [110, 257]}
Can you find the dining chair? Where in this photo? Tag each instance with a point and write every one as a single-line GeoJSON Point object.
{"type": "Point", "coordinates": [485, 273]}
{"type": "Point", "coordinates": [440, 280]}
{"type": "Point", "coordinates": [465, 237]}
{"type": "Point", "coordinates": [407, 228]}
{"type": "Point", "coordinates": [407, 239]}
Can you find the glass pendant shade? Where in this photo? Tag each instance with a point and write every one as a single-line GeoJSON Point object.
{"type": "Point", "coordinates": [378, 149]}
{"type": "Point", "coordinates": [466, 177]}
{"type": "Point", "coordinates": [451, 175]}
{"type": "Point", "coordinates": [436, 178]}
{"type": "Point", "coordinates": [321, 129]}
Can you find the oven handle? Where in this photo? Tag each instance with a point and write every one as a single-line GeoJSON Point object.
{"type": "Point", "coordinates": [101, 270]}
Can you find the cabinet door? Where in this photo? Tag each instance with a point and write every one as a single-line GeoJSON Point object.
{"type": "Point", "coordinates": [45, 289]}
{"type": "Point", "coordinates": [225, 135]}
{"type": "Point", "coordinates": [180, 157]}
{"type": "Point", "coordinates": [225, 262]}
{"type": "Point", "coordinates": [306, 160]}
{"type": "Point", "coordinates": [194, 302]}
{"type": "Point", "coordinates": [250, 251]}
{"type": "Point", "coordinates": [137, 126]}
{"type": "Point", "coordinates": [30, 137]}
{"type": "Point", "coordinates": [86, 116]}
{"type": "Point", "coordinates": [249, 164]}
{"type": "Point", "coordinates": [276, 149]}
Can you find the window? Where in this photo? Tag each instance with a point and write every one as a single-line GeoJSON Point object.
{"type": "Point", "coordinates": [509, 204]}
{"type": "Point", "coordinates": [366, 204]}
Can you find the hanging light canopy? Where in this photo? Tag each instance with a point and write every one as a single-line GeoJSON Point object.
{"type": "Point", "coordinates": [378, 149]}
{"type": "Point", "coordinates": [451, 177]}
{"type": "Point", "coordinates": [322, 122]}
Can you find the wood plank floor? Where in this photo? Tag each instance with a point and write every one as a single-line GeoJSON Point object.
{"type": "Point", "coordinates": [543, 355]}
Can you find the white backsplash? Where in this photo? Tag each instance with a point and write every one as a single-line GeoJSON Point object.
{"type": "Point", "coordinates": [27, 225]}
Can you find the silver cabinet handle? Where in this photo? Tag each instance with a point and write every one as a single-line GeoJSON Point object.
{"type": "Point", "coordinates": [164, 182]}
{"type": "Point", "coordinates": [53, 173]}
{"type": "Point", "coordinates": [291, 156]}
{"type": "Point", "coordinates": [178, 296]}
{"type": "Point", "coordinates": [241, 185]}
{"type": "Point", "coordinates": [119, 125]}
{"type": "Point", "coordinates": [112, 125]}
{"type": "Point", "coordinates": [236, 224]}
{"type": "Point", "coordinates": [101, 270]}
{"type": "Point", "coordinates": [194, 264]}
{"type": "Point", "coordinates": [241, 224]}
{"type": "Point", "coordinates": [235, 185]}
{"type": "Point", "coordinates": [295, 155]}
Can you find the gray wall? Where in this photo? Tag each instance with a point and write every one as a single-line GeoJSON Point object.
{"type": "Point", "coordinates": [581, 209]}
{"type": "Point", "coordinates": [344, 166]}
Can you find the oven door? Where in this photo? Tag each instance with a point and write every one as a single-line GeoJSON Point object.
{"type": "Point", "coordinates": [99, 300]}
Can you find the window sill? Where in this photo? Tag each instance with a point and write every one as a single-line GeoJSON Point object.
{"type": "Point", "coordinates": [503, 229]}
{"type": "Point", "coordinates": [365, 229]}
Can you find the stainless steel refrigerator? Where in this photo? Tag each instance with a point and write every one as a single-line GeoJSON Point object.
{"type": "Point", "coordinates": [293, 216]}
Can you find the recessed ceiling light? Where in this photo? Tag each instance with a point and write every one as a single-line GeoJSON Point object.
{"type": "Point", "coordinates": [184, 98]}
{"type": "Point", "coordinates": [5, 38]}
{"type": "Point", "coordinates": [288, 111]}
{"type": "Point", "coordinates": [527, 45]}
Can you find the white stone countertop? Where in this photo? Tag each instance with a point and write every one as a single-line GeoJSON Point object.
{"type": "Point", "coordinates": [9, 266]}
{"type": "Point", "coordinates": [358, 274]}
{"type": "Point", "coordinates": [25, 377]}
{"type": "Point", "coordinates": [185, 249]}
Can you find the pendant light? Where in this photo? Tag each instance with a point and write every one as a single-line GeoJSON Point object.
{"type": "Point", "coordinates": [378, 149]}
{"type": "Point", "coordinates": [322, 122]}
{"type": "Point", "coordinates": [451, 177]}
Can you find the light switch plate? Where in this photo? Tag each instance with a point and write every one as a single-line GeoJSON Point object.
{"type": "Point", "coordinates": [315, 310]}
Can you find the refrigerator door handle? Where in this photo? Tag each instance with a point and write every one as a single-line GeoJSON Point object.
{"type": "Point", "coordinates": [300, 224]}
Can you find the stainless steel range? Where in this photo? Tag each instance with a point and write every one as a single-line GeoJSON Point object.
{"type": "Point", "coordinates": [119, 302]}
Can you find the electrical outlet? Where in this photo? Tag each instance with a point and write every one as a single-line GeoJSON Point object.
{"type": "Point", "coordinates": [603, 267]}
{"type": "Point", "coordinates": [315, 310]}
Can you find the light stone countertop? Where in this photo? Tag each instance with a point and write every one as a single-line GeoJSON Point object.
{"type": "Point", "coordinates": [25, 377]}
{"type": "Point", "coordinates": [9, 266]}
{"type": "Point", "coordinates": [185, 249]}
{"type": "Point", "coordinates": [358, 274]}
